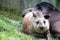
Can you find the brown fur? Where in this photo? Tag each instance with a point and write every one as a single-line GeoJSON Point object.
{"type": "Point", "coordinates": [28, 25]}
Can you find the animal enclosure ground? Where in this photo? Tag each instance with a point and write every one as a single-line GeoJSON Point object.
{"type": "Point", "coordinates": [10, 25]}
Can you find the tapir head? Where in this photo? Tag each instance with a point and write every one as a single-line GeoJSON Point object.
{"type": "Point", "coordinates": [40, 22]}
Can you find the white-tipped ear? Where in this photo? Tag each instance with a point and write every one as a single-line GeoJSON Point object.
{"type": "Point", "coordinates": [47, 16]}
{"type": "Point", "coordinates": [34, 15]}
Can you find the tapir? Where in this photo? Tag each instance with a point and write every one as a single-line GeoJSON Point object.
{"type": "Point", "coordinates": [35, 22]}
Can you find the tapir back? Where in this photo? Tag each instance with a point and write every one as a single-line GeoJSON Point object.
{"type": "Point", "coordinates": [27, 25]}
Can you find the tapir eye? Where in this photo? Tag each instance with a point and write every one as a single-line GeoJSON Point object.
{"type": "Point", "coordinates": [44, 22]}
{"type": "Point", "coordinates": [37, 22]}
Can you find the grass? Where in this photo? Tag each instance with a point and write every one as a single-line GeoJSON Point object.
{"type": "Point", "coordinates": [10, 23]}
{"type": "Point", "coordinates": [8, 30]}
{"type": "Point", "coordinates": [10, 15]}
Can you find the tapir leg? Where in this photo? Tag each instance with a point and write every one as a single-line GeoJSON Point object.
{"type": "Point", "coordinates": [48, 35]}
{"type": "Point", "coordinates": [56, 29]}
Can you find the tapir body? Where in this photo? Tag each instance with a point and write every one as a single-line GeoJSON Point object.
{"type": "Point", "coordinates": [54, 19]}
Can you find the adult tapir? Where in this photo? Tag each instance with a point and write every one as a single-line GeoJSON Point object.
{"type": "Point", "coordinates": [54, 17]}
{"type": "Point", "coordinates": [46, 7]}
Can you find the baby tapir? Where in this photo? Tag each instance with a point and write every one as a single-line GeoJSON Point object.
{"type": "Point", "coordinates": [36, 22]}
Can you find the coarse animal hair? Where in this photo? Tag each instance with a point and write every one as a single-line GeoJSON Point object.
{"type": "Point", "coordinates": [35, 22]}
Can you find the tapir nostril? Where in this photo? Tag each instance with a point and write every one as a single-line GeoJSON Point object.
{"type": "Point", "coordinates": [41, 28]}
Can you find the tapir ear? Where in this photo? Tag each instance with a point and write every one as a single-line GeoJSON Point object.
{"type": "Point", "coordinates": [47, 16]}
{"type": "Point", "coordinates": [34, 15]}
